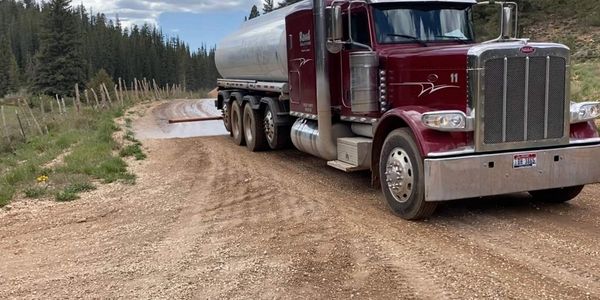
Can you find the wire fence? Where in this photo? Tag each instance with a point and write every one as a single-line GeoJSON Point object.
{"type": "Point", "coordinates": [23, 118]}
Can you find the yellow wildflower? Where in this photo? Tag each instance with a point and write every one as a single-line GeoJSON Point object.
{"type": "Point", "coordinates": [42, 178]}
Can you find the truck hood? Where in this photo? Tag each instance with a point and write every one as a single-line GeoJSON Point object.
{"type": "Point", "coordinates": [439, 57]}
{"type": "Point", "coordinates": [433, 77]}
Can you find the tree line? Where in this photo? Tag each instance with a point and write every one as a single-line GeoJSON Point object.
{"type": "Point", "coordinates": [268, 6]}
{"type": "Point", "coordinates": [48, 47]}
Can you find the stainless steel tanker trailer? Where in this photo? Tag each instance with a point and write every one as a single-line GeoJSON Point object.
{"type": "Point", "coordinates": [400, 88]}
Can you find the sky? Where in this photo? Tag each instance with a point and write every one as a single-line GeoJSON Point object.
{"type": "Point", "coordinates": [196, 22]}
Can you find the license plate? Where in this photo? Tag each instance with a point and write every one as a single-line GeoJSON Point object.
{"type": "Point", "coordinates": [521, 161]}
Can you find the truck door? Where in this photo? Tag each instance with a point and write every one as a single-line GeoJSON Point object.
{"type": "Point", "coordinates": [301, 63]}
{"type": "Point", "coordinates": [360, 33]}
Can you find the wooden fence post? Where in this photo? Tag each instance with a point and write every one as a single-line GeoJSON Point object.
{"type": "Point", "coordinates": [135, 88]}
{"type": "Point", "coordinates": [119, 98]}
{"type": "Point", "coordinates": [107, 95]}
{"type": "Point", "coordinates": [77, 100]}
{"type": "Point", "coordinates": [64, 106]}
{"type": "Point", "coordinates": [58, 102]}
{"type": "Point", "coordinates": [96, 98]}
{"type": "Point", "coordinates": [103, 95]}
{"type": "Point", "coordinates": [4, 127]}
{"type": "Point", "coordinates": [20, 104]}
{"type": "Point", "coordinates": [20, 124]}
{"type": "Point", "coordinates": [37, 124]}
{"type": "Point", "coordinates": [87, 98]}
{"type": "Point", "coordinates": [156, 96]}
{"type": "Point", "coordinates": [121, 90]}
{"type": "Point", "coordinates": [42, 110]}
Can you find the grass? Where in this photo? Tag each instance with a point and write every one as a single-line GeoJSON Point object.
{"type": "Point", "coordinates": [35, 192]}
{"type": "Point", "coordinates": [585, 85]}
{"type": "Point", "coordinates": [134, 150]}
{"type": "Point", "coordinates": [87, 136]}
{"type": "Point", "coordinates": [71, 192]}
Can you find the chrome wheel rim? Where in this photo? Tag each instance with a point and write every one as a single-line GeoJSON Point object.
{"type": "Point", "coordinates": [248, 128]}
{"type": "Point", "coordinates": [399, 175]}
{"type": "Point", "coordinates": [269, 126]}
{"type": "Point", "coordinates": [226, 117]}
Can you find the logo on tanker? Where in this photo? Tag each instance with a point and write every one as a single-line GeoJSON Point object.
{"type": "Point", "coordinates": [305, 39]}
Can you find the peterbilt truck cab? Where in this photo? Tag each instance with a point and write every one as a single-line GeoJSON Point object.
{"type": "Point", "coordinates": [401, 89]}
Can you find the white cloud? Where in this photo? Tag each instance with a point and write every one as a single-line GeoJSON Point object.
{"type": "Point", "coordinates": [147, 11]}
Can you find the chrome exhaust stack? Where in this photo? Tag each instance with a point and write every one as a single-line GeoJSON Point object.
{"type": "Point", "coordinates": [319, 137]}
{"type": "Point", "coordinates": [326, 144]}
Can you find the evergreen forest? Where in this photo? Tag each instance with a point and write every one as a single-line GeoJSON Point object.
{"type": "Point", "coordinates": [48, 47]}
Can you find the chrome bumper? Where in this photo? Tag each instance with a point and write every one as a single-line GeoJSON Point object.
{"type": "Point", "coordinates": [493, 174]}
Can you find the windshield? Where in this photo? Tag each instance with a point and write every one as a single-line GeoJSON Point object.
{"type": "Point", "coordinates": [423, 23]}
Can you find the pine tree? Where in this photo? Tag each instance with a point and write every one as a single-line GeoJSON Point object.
{"type": "Point", "coordinates": [285, 3]}
{"type": "Point", "coordinates": [5, 53]}
{"type": "Point", "coordinates": [129, 53]}
{"type": "Point", "coordinates": [13, 73]}
{"type": "Point", "coordinates": [253, 12]}
{"type": "Point", "coordinates": [60, 65]}
{"type": "Point", "coordinates": [268, 6]}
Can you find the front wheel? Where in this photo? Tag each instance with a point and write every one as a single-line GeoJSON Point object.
{"type": "Point", "coordinates": [557, 195]}
{"type": "Point", "coordinates": [402, 177]}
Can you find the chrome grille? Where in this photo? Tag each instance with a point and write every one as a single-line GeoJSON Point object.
{"type": "Point", "coordinates": [524, 99]}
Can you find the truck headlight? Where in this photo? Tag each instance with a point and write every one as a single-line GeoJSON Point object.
{"type": "Point", "coordinates": [584, 111]}
{"type": "Point", "coordinates": [452, 120]}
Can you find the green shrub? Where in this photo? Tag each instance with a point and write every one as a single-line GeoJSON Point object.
{"type": "Point", "coordinates": [66, 196]}
{"type": "Point", "coordinates": [35, 192]}
{"type": "Point", "coordinates": [80, 187]}
{"type": "Point", "coordinates": [134, 150]}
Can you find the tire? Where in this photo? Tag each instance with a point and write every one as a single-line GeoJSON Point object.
{"type": "Point", "coordinates": [237, 127]}
{"type": "Point", "coordinates": [254, 129]}
{"type": "Point", "coordinates": [278, 137]}
{"type": "Point", "coordinates": [557, 195]}
{"type": "Point", "coordinates": [401, 165]}
{"type": "Point", "coordinates": [227, 116]}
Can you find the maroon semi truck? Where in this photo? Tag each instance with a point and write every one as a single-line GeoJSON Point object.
{"type": "Point", "coordinates": [401, 88]}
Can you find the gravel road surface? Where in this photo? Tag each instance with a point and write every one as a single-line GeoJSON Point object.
{"type": "Point", "coordinates": [208, 219]}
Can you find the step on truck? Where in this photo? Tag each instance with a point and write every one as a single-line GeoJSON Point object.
{"type": "Point", "coordinates": [401, 88]}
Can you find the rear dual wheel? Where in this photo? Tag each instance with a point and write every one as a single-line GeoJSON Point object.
{"type": "Point", "coordinates": [254, 129]}
{"type": "Point", "coordinates": [237, 130]}
{"type": "Point", "coordinates": [277, 137]}
{"type": "Point", "coordinates": [227, 116]}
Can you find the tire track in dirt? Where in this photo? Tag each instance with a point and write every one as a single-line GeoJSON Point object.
{"type": "Point", "coordinates": [208, 219]}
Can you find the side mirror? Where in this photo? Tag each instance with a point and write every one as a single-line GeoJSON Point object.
{"type": "Point", "coordinates": [335, 32]}
{"type": "Point", "coordinates": [508, 30]}
{"type": "Point", "coordinates": [509, 19]}
{"type": "Point", "coordinates": [336, 29]}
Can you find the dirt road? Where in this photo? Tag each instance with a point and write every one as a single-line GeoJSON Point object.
{"type": "Point", "coordinates": [208, 219]}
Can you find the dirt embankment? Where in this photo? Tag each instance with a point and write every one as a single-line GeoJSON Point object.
{"type": "Point", "coordinates": [209, 219]}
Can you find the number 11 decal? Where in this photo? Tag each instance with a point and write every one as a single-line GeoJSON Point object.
{"type": "Point", "coordinates": [454, 77]}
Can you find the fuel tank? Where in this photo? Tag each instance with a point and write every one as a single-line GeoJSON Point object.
{"type": "Point", "coordinates": [258, 50]}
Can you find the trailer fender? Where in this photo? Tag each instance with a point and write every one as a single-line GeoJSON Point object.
{"type": "Point", "coordinates": [236, 96]}
{"type": "Point", "coordinates": [427, 140]}
{"type": "Point", "coordinates": [253, 101]}
{"type": "Point", "coordinates": [222, 99]}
